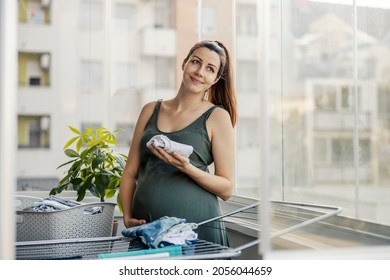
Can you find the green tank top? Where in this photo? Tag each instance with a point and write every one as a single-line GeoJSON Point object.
{"type": "Point", "coordinates": [163, 190]}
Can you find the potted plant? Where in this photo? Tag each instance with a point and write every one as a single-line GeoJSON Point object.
{"type": "Point", "coordinates": [94, 166]}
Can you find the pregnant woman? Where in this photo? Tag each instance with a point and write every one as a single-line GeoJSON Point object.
{"type": "Point", "coordinates": [157, 182]}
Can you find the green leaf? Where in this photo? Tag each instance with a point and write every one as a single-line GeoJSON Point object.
{"type": "Point", "coordinates": [64, 180]}
{"type": "Point", "coordinates": [110, 192]}
{"type": "Point", "coordinates": [80, 194]}
{"type": "Point", "coordinates": [79, 144]}
{"type": "Point", "coordinates": [76, 181]}
{"type": "Point", "coordinates": [75, 168]}
{"type": "Point", "coordinates": [58, 189]}
{"type": "Point", "coordinates": [70, 142]}
{"type": "Point", "coordinates": [118, 202]}
{"type": "Point", "coordinates": [120, 159]}
{"type": "Point", "coordinates": [66, 163]}
{"type": "Point", "coordinates": [93, 142]}
{"type": "Point", "coordinates": [101, 182]}
{"type": "Point", "coordinates": [93, 190]}
{"type": "Point", "coordinates": [97, 161]}
{"type": "Point", "coordinates": [76, 131]}
{"type": "Point", "coordinates": [87, 135]}
{"type": "Point", "coordinates": [88, 131]}
{"type": "Point", "coordinates": [111, 140]}
{"type": "Point", "coordinates": [71, 153]}
{"type": "Point", "coordinates": [84, 154]}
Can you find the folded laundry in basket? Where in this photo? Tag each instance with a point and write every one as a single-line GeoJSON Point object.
{"type": "Point", "coordinates": [53, 203]}
{"type": "Point", "coordinates": [170, 146]}
{"type": "Point", "coordinates": [163, 232]}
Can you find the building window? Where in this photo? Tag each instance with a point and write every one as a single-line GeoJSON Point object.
{"type": "Point", "coordinates": [33, 131]}
{"type": "Point", "coordinates": [125, 16]}
{"type": "Point", "coordinates": [126, 77]}
{"type": "Point", "coordinates": [91, 76]}
{"type": "Point", "coordinates": [208, 21]}
{"type": "Point", "coordinates": [347, 98]}
{"type": "Point", "coordinates": [246, 20]}
{"type": "Point", "coordinates": [91, 15]}
{"type": "Point", "coordinates": [34, 69]}
{"type": "Point", "coordinates": [364, 150]}
{"type": "Point", "coordinates": [325, 98]}
{"type": "Point", "coordinates": [34, 11]}
{"type": "Point", "coordinates": [163, 14]}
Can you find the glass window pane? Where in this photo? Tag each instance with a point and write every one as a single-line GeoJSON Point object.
{"type": "Point", "coordinates": [91, 15]}
{"type": "Point", "coordinates": [131, 51]}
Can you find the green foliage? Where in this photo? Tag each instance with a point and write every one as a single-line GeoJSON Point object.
{"type": "Point", "coordinates": [94, 166]}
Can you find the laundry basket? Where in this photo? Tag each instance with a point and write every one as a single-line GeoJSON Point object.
{"type": "Point", "coordinates": [75, 222]}
{"type": "Point", "coordinates": [34, 228]}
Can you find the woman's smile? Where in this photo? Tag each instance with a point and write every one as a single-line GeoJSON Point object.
{"type": "Point", "coordinates": [196, 81]}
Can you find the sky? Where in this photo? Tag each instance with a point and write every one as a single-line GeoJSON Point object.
{"type": "Point", "coordinates": [366, 3]}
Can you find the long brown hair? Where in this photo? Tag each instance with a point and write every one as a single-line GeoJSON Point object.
{"type": "Point", "coordinates": [222, 92]}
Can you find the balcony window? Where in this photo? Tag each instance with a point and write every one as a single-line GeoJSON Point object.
{"type": "Point", "coordinates": [35, 11]}
{"type": "Point", "coordinates": [34, 132]}
{"type": "Point", "coordinates": [34, 69]}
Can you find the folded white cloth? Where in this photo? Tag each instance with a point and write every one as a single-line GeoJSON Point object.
{"type": "Point", "coordinates": [170, 146]}
{"type": "Point", "coordinates": [180, 233]}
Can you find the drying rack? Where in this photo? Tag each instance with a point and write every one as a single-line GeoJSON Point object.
{"type": "Point", "coordinates": [92, 248]}
{"type": "Point", "coordinates": [289, 217]}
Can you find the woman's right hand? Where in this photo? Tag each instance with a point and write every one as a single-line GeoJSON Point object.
{"type": "Point", "coordinates": [132, 222]}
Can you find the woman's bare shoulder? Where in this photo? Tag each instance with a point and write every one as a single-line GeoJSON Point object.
{"type": "Point", "coordinates": [219, 115]}
{"type": "Point", "coordinates": [147, 111]}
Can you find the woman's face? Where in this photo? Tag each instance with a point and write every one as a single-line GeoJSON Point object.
{"type": "Point", "coordinates": [201, 69]}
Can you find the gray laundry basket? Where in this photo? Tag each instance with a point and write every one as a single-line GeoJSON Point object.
{"type": "Point", "coordinates": [75, 222]}
{"type": "Point", "coordinates": [33, 228]}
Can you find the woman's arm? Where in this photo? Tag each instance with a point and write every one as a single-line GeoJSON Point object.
{"type": "Point", "coordinates": [221, 133]}
{"type": "Point", "coordinates": [130, 172]}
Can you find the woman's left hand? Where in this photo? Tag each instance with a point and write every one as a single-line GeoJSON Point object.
{"type": "Point", "coordinates": [179, 161]}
